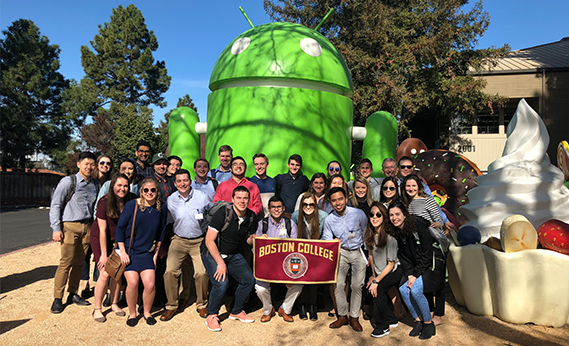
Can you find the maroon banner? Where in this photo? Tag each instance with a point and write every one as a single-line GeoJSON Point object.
{"type": "Point", "coordinates": [296, 261]}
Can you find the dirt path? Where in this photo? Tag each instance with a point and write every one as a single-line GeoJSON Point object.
{"type": "Point", "coordinates": [26, 286]}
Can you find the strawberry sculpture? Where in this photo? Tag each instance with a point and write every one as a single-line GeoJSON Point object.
{"type": "Point", "coordinates": [554, 235]}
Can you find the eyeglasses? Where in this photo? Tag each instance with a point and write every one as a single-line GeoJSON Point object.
{"type": "Point", "coordinates": [146, 190]}
{"type": "Point", "coordinates": [144, 151]}
{"type": "Point", "coordinates": [308, 205]}
{"type": "Point", "coordinates": [334, 169]}
{"type": "Point", "coordinates": [378, 215]}
{"type": "Point", "coordinates": [406, 167]}
{"type": "Point", "coordinates": [105, 163]}
{"type": "Point", "coordinates": [389, 168]}
{"type": "Point", "coordinates": [390, 188]}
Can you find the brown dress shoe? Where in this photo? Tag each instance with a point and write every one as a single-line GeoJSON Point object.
{"type": "Point", "coordinates": [341, 321]}
{"type": "Point", "coordinates": [267, 318]}
{"type": "Point", "coordinates": [167, 315]}
{"type": "Point", "coordinates": [355, 323]}
{"type": "Point", "coordinates": [285, 316]}
{"type": "Point", "coordinates": [202, 312]}
{"type": "Point", "coordinates": [182, 304]}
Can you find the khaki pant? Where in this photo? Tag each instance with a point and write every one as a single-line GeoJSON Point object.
{"type": "Point", "coordinates": [355, 261]}
{"type": "Point", "coordinates": [179, 251]}
{"type": "Point", "coordinates": [73, 249]}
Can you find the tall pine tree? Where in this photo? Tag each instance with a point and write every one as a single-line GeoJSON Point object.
{"type": "Point", "coordinates": [30, 97]}
{"type": "Point", "coordinates": [121, 80]}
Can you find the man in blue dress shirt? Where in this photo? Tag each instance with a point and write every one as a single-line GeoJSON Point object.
{"type": "Point", "coordinates": [348, 225]}
{"type": "Point", "coordinates": [276, 227]}
{"type": "Point", "coordinates": [186, 209]}
{"type": "Point", "coordinates": [71, 221]}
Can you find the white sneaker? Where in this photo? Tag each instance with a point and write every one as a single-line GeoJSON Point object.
{"type": "Point", "coordinates": [380, 333]}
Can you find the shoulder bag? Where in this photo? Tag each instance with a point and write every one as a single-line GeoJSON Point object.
{"type": "Point", "coordinates": [114, 267]}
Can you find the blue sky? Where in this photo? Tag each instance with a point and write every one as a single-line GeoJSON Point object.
{"type": "Point", "coordinates": [192, 33]}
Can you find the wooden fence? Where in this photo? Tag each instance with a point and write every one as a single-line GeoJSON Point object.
{"type": "Point", "coordinates": [28, 188]}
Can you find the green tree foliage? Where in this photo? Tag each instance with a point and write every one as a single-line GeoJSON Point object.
{"type": "Point", "coordinates": [121, 67]}
{"type": "Point", "coordinates": [121, 80]}
{"type": "Point", "coordinates": [162, 131]}
{"type": "Point", "coordinates": [134, 123]}
{"type": "Point", "coordinates": [31, 95]}
{"type": "Point", "coordinates": [405, 57]}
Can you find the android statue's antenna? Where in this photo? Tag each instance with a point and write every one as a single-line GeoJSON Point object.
{"type": "Point", "coordinates": [322, 21]}
{"type": "Point", "coordinates": [249, 20]}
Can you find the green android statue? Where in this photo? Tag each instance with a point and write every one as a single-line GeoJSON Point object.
{"type": "Point", "coordinates": [281, 89]}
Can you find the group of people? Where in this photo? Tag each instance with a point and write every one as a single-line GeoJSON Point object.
{"type": "Point", "coordinates": [168, 227]}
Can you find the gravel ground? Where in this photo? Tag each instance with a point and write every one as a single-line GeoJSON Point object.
{"type": "Point", "coordinates": [26, 294]}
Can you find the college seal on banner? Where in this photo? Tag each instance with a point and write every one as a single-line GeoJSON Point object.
{"type": "Point", "coordinates": [295, 265]}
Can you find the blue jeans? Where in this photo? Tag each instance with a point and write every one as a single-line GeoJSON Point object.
{"type": "Point", "coordinates": [239, 269]}
{"type": "Point", "coordinates": [415, 299]}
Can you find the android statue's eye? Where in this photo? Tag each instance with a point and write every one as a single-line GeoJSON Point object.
{"type": "Point", "coordinates": [240, 45]}
{"type": "Point", "coordinates": [413, 151]}
{"type": "Point", "coordinates": [422, 151]}
{"type": "Point", "coordinates": [311, 47]}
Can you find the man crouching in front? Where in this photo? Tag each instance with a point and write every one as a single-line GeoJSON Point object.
{"type": "Point", "coordinates": [223, 257]}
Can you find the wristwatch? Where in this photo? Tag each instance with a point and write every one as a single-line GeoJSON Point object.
{"type": "Point", "coordinates": [374, 282]}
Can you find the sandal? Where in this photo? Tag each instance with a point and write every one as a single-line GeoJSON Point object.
{"type": "Point", "coordinates": [120, 312]}
{"type": "Point", "coordinates": [98, 319]}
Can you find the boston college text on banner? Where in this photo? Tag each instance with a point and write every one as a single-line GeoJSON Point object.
{"type": "Point", "coordinates": [296, 261]}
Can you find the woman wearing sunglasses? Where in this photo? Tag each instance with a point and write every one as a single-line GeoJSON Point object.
{"type": "Point", "coordinates": [415, 252]}
{"type": "Point", "coordinates": [333, 168]}
{"type": "Point", "coordinates": [310, 227]}
{"type": "Point", "coordinates": [140, 260]}
{"type": "Point", "coordinates": [389, 191]}
{"type": "Point", "coordinates": [102, 171]}
{"type": "Point", "coordinates": [386, 270]}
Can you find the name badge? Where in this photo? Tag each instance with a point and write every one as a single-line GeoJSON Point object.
{"type": "Point", "coordinates": [282, 233]}
{"type": "Point", "coordinates": [199, 216]}
{"type": "Point", "coordinates": [351, 235]}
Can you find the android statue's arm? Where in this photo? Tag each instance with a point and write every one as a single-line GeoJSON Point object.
{"type": "Point", "coordinates": [359, 133]}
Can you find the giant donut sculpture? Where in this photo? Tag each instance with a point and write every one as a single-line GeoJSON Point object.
{"type": "Point", "coordinates": [449, 175]}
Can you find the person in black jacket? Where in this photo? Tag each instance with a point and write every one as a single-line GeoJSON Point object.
{"type": "Point", "coordinates": [415, 253]}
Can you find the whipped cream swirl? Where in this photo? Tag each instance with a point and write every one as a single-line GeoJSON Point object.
{"type": "Point", "coordinates": [523, 181]}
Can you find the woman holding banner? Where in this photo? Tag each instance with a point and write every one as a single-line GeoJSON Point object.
{"type": "Point", "coordinates": [309, 227]}
{"type": "Point", "coordinates": [386, 269]}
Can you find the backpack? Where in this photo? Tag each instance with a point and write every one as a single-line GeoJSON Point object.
{"type": "Point", "coordinates": [212, 173]}
{"type": "Point", "coordinates": [71, 191]}
{"type": "Point", "coordinates": [228, 214]}
{"type": "Point", "coordinates": [287, 225]}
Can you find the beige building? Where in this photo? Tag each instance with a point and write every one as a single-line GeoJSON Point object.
{"type": "Point", "coordinates": [540, 75]}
